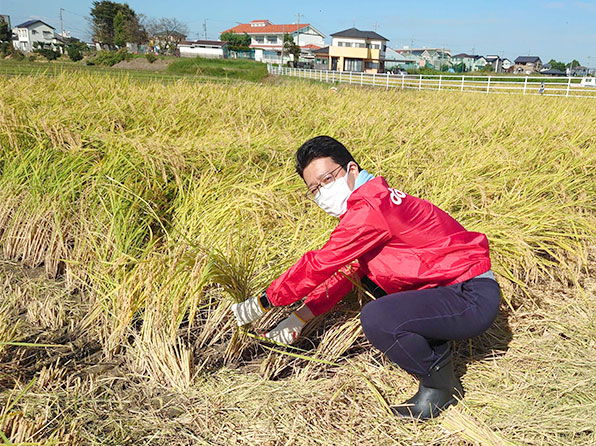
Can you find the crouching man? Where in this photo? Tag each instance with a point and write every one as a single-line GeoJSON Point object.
{"type": "Point", "coordinates": [435, 274]}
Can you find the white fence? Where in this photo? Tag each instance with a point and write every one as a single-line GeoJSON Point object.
{"type": "Point", "coordinates": [528, 85]}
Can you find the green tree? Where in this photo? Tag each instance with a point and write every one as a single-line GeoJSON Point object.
{"type": "Point", "coordinates": [120, 29]}
{"type": "Point", "coordinates": [574, 63]}
{"type": "Point", "coordinates": [236, 42]}
{"type": "Point", "coordinates": [45, 50]}
{"type": "Point", "coordinates": [557, 65]}
{"type": "Point", "coordinates": [75, 49]}
{"type": "Point", "coordinates": [113, 22]}
{"type": "Point", "coordinates": [5, 32]}
{"type": "Point", "coordinates": [290, 48]}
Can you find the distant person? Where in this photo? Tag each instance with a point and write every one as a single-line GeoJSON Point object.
{"type": "Point", "coordinates": [541, 89]}
{"type": "Point", "coordinates": [434, 274]}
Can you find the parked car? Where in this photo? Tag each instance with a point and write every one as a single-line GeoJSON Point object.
{"type": "Point", "coordinates": [588, 82]}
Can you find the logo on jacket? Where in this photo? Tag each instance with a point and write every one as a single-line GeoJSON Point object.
{"type": "Point", "coordinates": [396, 195]}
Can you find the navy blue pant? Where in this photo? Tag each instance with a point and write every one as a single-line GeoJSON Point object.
{"type": "Point", "coordinates": [412, 327]}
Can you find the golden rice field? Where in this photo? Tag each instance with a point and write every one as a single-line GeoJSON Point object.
{"type": "Point", "coordinates": [133, 213]}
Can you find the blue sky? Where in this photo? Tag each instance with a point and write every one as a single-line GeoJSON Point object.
{"type": "Point", "coordinates": [563, 30]}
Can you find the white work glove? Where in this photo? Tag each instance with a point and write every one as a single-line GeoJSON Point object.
{"type": "Point", "coordinates": [287, 331]}
{"type": "Point", "coordinates": [248, 311]}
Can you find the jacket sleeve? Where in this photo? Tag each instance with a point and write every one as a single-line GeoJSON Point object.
{"type": "Point", "coordinates": [331, 291]}
{"type": "Point", "coordinates": [360, 230]}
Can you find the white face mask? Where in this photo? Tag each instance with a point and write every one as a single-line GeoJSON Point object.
{"type": "Point", "coordinates": [334, 198]}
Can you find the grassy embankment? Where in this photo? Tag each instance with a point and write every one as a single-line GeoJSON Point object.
{"type": "Point", "coordinates": [213, 70]}
{"type": "Point", "coordinates": [227, 68]}
{"type": "Point", "coordinates": [120, 189]}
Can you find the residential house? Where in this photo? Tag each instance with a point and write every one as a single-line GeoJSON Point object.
{"type": "Point", "coordinates": [211, 49]}
{"type": "Point", "coordinates": [553, 72]}
{"type": "Point", "coordinates": [499, 64]}
{"type": "Point", "coordinates": [33, 33]}
{"type": "Point", "coordinates": [356, 50]}
{"type": "Point", "coordinates": [527, 64]}
{"type": "Point", "coordinates": [396, 60]}
{"type": "Point", "coordinates": [433, 58]}
{"type": "Point", "coordinates": [506, 65]}
{"type": "Point", "coordinates": [579, 71]}
{"type": "Point", "coordinates": [268, 38]}
{"type": "Point", "coordinates": [321, 61]}
{"type": "Point", "coordinates": [546, 66]}
{"type": "Point", "coordinates": [471, 62]}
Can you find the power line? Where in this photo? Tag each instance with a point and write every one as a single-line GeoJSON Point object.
{"type": "Point", "coordinates": [75, 13]}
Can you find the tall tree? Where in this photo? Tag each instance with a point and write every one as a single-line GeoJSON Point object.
{"type": "Point", "coordinates": [134, 29]}
{"type": "Point", "coordinates": [115, 24]}
{"type": "Point", "coordinates": [5, 32]}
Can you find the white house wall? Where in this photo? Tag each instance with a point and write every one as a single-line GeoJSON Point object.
{"type": "Point", "coordinates": [337, 40]}
{"type": "Point", "coordinates": [212, 53]}
{"type": "Point", "coordinates": [310, 38]}
{"type": "Point", "coordinates": [306, 38]}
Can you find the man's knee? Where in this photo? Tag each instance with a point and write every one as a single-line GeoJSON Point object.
{"type": "Point", "coordinates": [369, 319]}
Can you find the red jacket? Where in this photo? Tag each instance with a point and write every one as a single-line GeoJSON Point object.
{"type": "Point", "coordinates": [399, 241]}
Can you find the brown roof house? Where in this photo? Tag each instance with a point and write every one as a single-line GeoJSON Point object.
{"type": "Point", "coordinates": [527, 64]}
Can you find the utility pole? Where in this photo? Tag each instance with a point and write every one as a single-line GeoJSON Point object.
{"type": "Point", "coordinates": [205, 28]}
{"type": "Point", "coordinates": [298, 31]}
{"type": "Point", "coordinates": [298, 39]}
{"type": "Point", "coordinates": [283, 43]}
{"type": "Point", "coordinates": [61, 24]}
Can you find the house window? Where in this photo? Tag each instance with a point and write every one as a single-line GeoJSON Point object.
{"type": "Point", "coordinates": [371, 65]}
{"type": "Point", "coordinates": [352, 64]}
{"type": "Point", "coordinates": [271, 39]}
{"type": "Point", "coordinates": [362, 45]}
{"type": "Point", "coordinates": [260, 39]}
{"type": "Point", "coordinates": [375, 46]}
{"type": "Point", "coordinates": [340, 44]}
{"type": "Point", "coordinates": [33, 31]}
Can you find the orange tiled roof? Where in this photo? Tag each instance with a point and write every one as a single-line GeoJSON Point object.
{"type": "Point", "coordinates": [268, 28]}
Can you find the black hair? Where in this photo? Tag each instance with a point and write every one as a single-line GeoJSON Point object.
{"type": "Point", "coordinates": [321, 147]}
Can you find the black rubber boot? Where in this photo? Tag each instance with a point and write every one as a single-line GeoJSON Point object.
{"type": "Point", "coordinates": [436, 391]}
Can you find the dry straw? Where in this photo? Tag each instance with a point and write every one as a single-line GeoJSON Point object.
{"type": "Point", "coordinates": [163, 203]}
